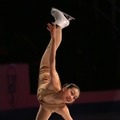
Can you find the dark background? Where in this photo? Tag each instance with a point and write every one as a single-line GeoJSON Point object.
{"type": "Point", "coordinates": [89, 54]}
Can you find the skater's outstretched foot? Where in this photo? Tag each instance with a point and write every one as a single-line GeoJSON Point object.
{"type": "Point", "coordinates": [61, 18]}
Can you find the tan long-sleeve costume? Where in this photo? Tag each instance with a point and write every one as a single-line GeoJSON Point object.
{"type": "Point", "coordinates": [44, 78]}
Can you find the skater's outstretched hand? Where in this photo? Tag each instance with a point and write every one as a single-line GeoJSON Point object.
{"type": "Point", "coordinates": [52, 29]}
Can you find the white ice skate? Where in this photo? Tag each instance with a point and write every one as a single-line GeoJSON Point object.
{"type": "Point", "coordinates": [62, 19]}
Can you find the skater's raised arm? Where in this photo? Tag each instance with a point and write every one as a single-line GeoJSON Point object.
{"type": "Point", "coordinates": [52, 29]}
{"type": "Point", "coordinates": [54, 79]}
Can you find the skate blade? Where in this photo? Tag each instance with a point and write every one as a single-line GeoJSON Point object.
{"type": "Point", "coordinates": [69, 17]}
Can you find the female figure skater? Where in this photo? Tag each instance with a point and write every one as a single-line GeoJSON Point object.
{"type": "Point", "coordinates": [51, 96]}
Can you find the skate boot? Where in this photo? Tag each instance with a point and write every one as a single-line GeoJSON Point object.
{"type": "Point", "coordinates": [61, 19]}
